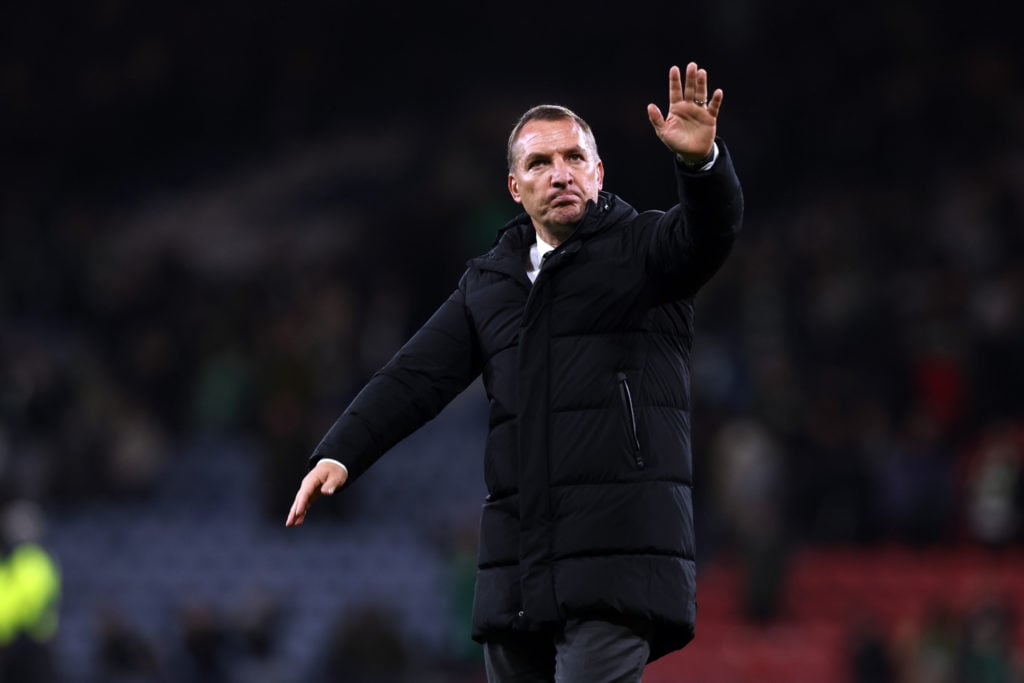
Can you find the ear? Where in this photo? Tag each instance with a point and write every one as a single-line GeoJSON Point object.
{"type": "Point", "coordinates": [513, 189]}
{"type": "Point", "coordinates": [600, 174]}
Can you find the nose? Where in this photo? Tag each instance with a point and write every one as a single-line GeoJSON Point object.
{"type": "Point", "coordinates": [561, 173]}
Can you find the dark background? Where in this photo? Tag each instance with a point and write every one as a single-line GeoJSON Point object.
{"type": "Point", "coordinates": [217, 220]}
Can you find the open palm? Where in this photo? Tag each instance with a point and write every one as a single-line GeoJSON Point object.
{"type": "Point", "coordinates": [689, 128]}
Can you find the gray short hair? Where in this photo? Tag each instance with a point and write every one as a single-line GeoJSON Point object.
{"type": "Point", "coordinates": [547, 112]}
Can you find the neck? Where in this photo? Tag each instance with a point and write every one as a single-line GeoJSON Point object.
{"type": "Point", "coordinates": [554, 235]}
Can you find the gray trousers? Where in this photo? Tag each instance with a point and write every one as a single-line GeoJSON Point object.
{"type": "Point", "coordinates": [590, 651]}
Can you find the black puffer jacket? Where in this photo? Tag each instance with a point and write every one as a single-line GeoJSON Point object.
{"type": "Point", "coordinates": [587, 371]}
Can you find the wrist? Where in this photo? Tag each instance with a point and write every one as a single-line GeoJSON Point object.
{"type": "Point", "coordinates": [696, 161]}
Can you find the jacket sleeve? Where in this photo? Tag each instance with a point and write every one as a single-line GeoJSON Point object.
{"type": "Point", "coordinates": [430, 370]}
{"type": "Point", "coordinates": [690, 241]}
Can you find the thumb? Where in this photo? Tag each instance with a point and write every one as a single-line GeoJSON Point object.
{"type": "Point", "coordinates": [654, 114]}
{"type": "Point", "coordinates": [333, 479]}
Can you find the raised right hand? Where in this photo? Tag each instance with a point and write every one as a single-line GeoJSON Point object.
{"type": "Point", "coordinates": [690, 126]}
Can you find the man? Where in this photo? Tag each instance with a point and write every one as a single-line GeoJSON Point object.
{"type": "Point", "coordinates": [581, 321]}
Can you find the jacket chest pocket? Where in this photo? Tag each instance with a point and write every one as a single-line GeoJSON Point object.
{"type": "Point", "coordinates": [629, 416]}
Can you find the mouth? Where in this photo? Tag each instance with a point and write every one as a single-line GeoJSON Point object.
{"type": "Point", "coordinates": [563, 199]}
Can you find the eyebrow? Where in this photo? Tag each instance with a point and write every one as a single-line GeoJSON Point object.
{"type": "Point", "coordinates": [534, 155]}
{"type": "Point", "coordinates": [544, 155]}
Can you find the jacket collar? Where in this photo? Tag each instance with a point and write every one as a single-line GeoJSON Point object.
{"type": "Point", "coordinates": [515, 237]}
{"type": "Point", "coordinates": [519, 233]}
{"type": "Point", "coordinates": [594, 218]}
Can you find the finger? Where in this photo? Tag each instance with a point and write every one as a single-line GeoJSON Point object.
{"type": "Point", "coordinates": [716, 103]}
{"type": "Point", "coordinates": [675, 86]}
{"type": "Point", "coordinates": [303, 498]}
{"type": "Point", "coordinates": [700, 92]}
{"type": "Point", "coordinates": [331, 484]}
{"type": "Point", "coordinates": [690, 86]}
{"type": "Point", "coordinates": [294, 518]}
{"type": "Point", "coordinates": [655, 116]}
{"type": "Point", "coordinates": [297, 512]}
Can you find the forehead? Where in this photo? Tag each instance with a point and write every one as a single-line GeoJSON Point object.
{"type": "Point", "coordinates": [545, 137]}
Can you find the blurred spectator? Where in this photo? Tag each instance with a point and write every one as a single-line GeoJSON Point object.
{"type": "Point", "coordinates": [930, 652]}
{"type": "Point", "coordinates": [914, 471]}
{"type": "Point", "coordinates": [203, 654]}
{"type": "Point", "coordinates": [870, 653]}
{"type": "Point", "coordinates": [832, 497]}
{"type": "Point", "coordinates": [997, 321]}
{"type": "Point", "coordinates": [123, 654]}
{"type": "Point", "coordinates": [993, 487]}
{"type": "Point", "coordinates": [987, 646]}
{"type": "Point", "coordinates": [366, 646]}
{"type": "Point", "coordinates": [462, 656]}
{"type": "Point", "coordinates": [749, 489]}
{"type": "Point", "coordinates": [137, 455]}
{"type": "Point", "coordinates": [257, 625]}
{"type": "Point", "coordinates": [30, 590]}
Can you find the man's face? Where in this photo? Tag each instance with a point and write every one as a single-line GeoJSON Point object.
{"type": "Point", "coordinates": [556, 172]}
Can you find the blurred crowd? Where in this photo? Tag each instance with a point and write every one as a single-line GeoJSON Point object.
{"type": "Point", "coordinates": [858, 361]}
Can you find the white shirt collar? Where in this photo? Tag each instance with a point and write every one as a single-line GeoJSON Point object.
{"type": "Point", "coordinates": [537, 251]}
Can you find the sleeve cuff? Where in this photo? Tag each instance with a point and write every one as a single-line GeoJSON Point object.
{"type": "Point", "coordinates": [336, 462]}
{"type": "Point", "coordinates": [706, 166]}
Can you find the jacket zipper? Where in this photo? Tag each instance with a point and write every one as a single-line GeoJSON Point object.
{"type": "Point", "coordinates": [627, 402]}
